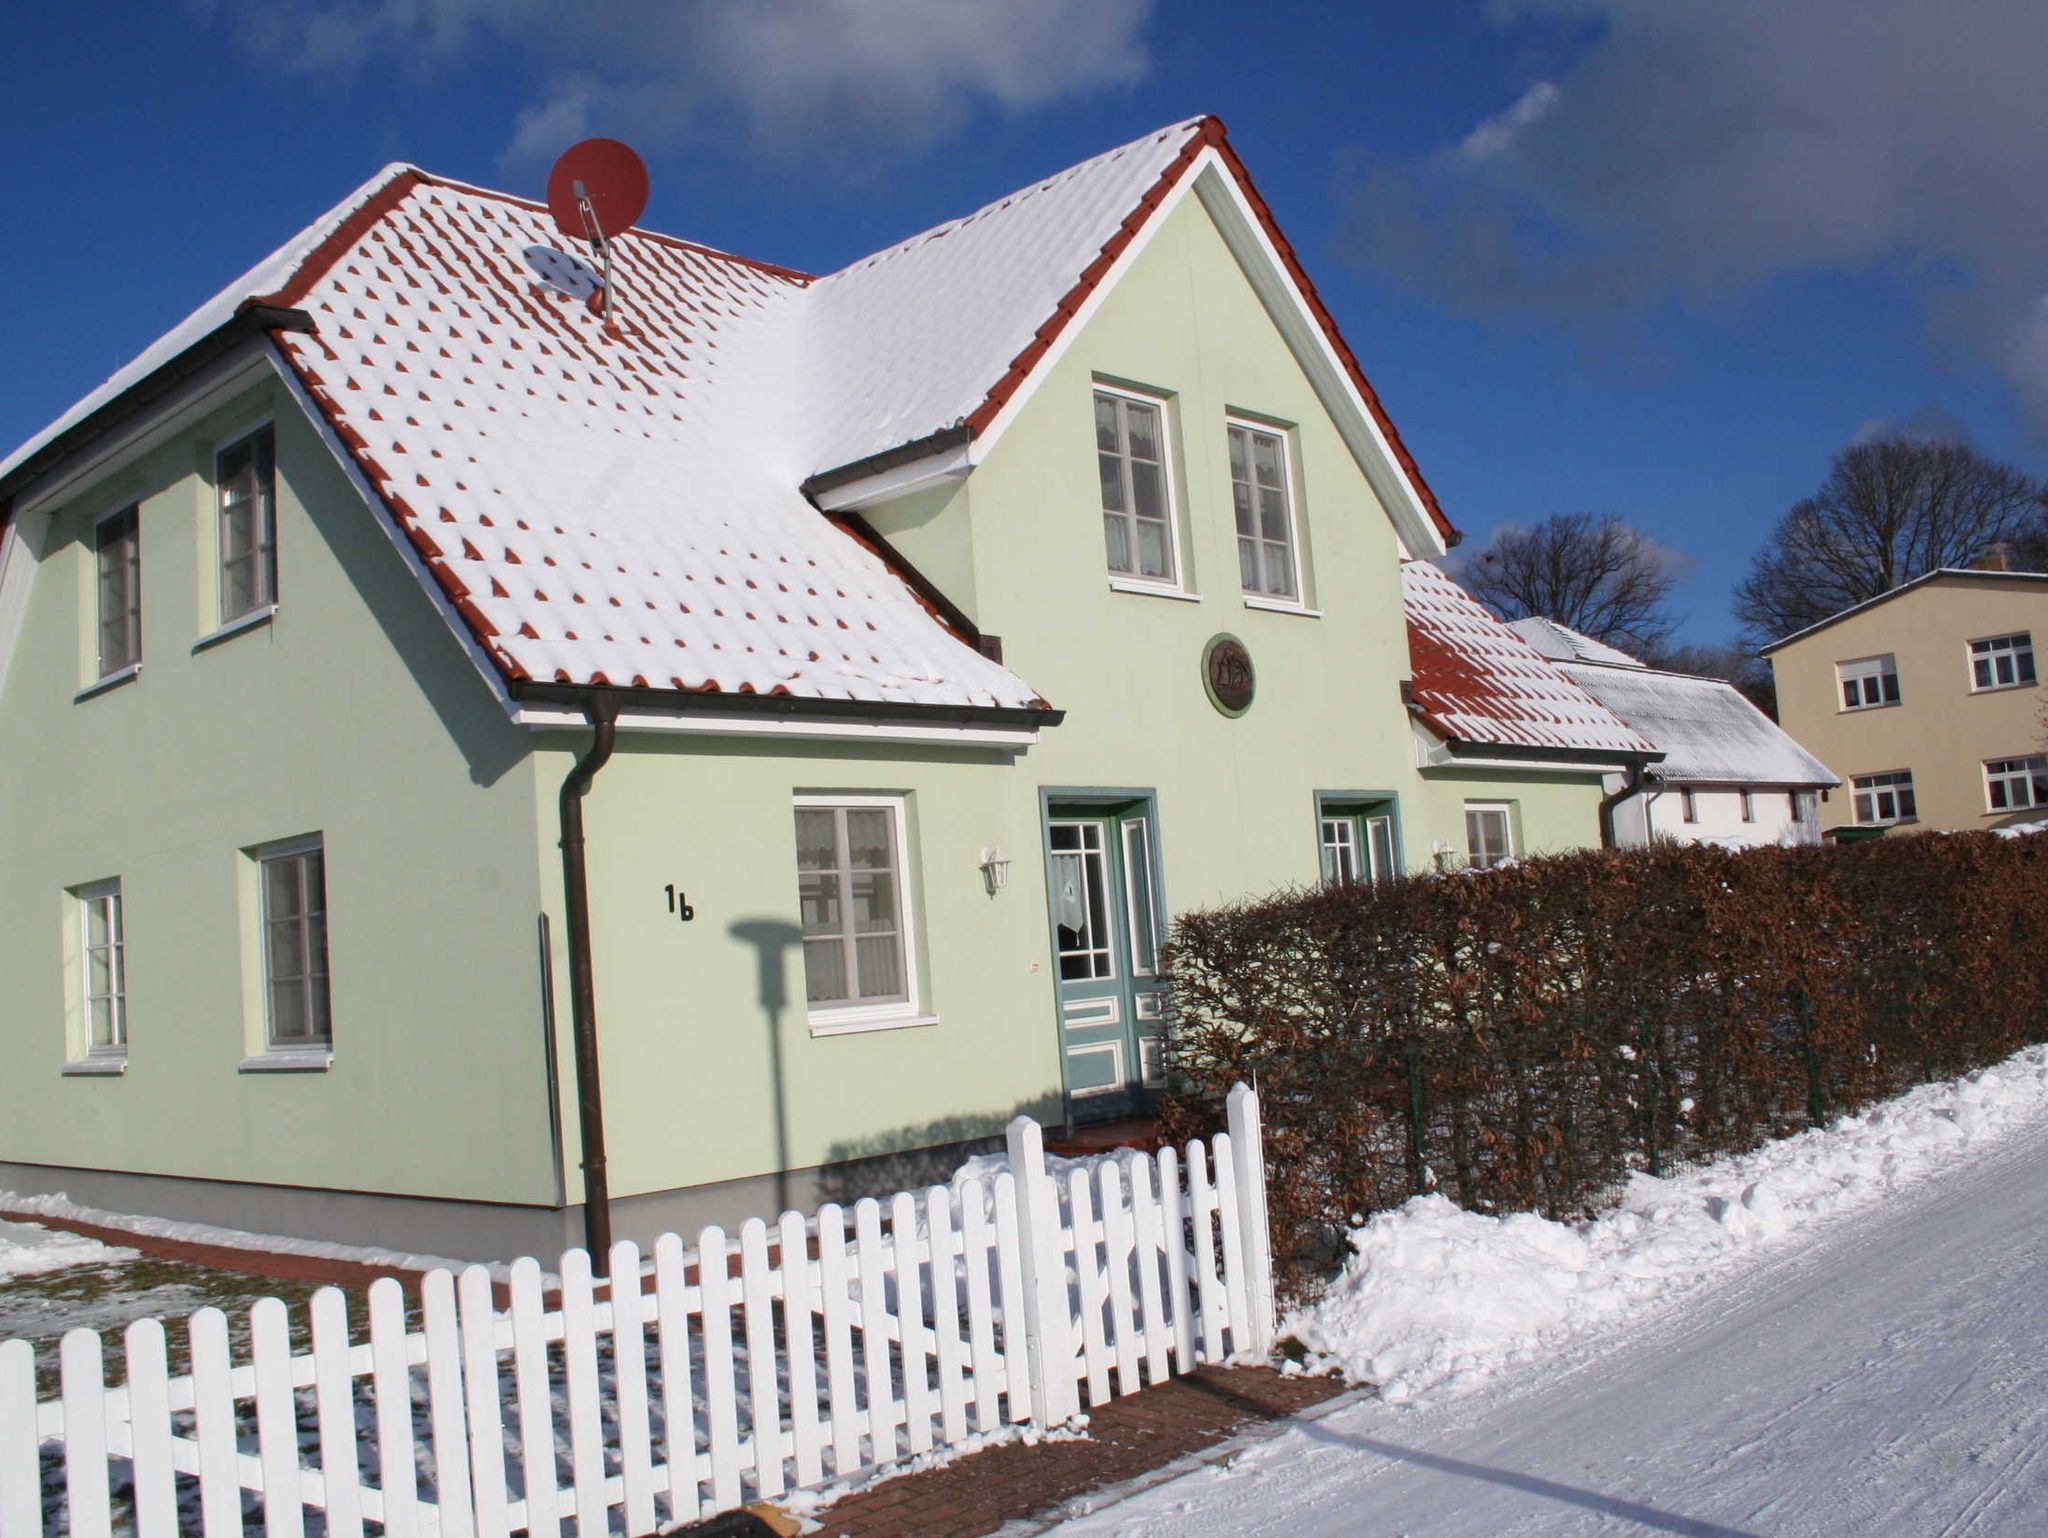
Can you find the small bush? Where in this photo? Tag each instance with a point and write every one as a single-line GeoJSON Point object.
{"type": "Point", "coordinates": [1526, 1038]}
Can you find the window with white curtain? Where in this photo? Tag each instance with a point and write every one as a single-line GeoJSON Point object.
{"type": "Point", "coordinates": [858, 960]}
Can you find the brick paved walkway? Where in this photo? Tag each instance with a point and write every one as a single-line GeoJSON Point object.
{"type": "Point", "coordinates": [1126, 1438]}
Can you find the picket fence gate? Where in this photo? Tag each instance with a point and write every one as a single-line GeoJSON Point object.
{"type": "Point", "coordinates": [973, 1307]}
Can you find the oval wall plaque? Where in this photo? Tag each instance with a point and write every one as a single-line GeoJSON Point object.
{"type": "Point", "coordinates": [1227, 675]}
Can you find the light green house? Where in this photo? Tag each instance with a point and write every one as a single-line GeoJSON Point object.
{"type": "Point", "coordinates": [950, 621]}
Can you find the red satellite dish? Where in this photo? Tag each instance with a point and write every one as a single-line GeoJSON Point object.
{"type": "Point", "coordinates": [597, 189]}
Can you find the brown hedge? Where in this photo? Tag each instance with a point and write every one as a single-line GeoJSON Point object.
{"type": "Point", "coordinates": [1528, 1037]}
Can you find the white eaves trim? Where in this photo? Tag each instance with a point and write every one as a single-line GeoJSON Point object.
{"type": "Point", "coordinates": [199, 397]}
{"type": "Point", "coordinates": [1210, 177]}
{"type": "Point", "coordinates": [641, 719]}
{"type": "Point", "coordinates": [1432, 752]}
{"type": "Point", "coordinates": [382, 517]}
{"type": "Point", "coordinates": [902, 481]}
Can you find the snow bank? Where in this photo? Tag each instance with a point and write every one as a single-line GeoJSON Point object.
{"type": "Point", "coordinates": [27, 1248]}
{"type": "Point", "coordinates": [1436, 1300]}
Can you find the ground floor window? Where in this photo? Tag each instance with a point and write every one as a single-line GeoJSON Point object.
{"type": "Point", "coordinates": [103, 954]}
{"type": "Point", "coordinates": [298, 1013]}
{"type": "Point", "coordinates": [1355, 840]}
{"type": "Point", "coordinates": [856, 941]}
{"type": "Point", "coordinates": [1489, 840]}
{"type": "Point", "coordinates": [1689, 805]}
{"type": "Point", "coordinates": [2015, 784]}
{"type": "Point", "coordinates": [1748, 806]}
{"type": "Point", "coordinates": [1884, 797]}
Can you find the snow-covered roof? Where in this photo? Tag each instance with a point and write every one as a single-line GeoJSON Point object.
{"type": "Point", "coordinates": [1940, 573]}
{"type": "Point", "coordinates": [620, 503]}
{"type": "Point", "coordinates": [938, 329]}
{"type": "Point", "coordinates": [1709, 732]}
{"type": "Point", "coordinates": [1561, 643]}
{"type": "Point", "coordinates": [1477, 682]}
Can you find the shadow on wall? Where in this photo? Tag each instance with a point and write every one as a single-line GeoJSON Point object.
{"type": "Point", "coordinates": [911, 1158]}
{"type": "Point", "coordinates": [901, 1159]}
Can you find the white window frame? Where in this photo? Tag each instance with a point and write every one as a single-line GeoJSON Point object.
{"type": "Point", "coordinates": [1131, 581]}
{"type": "Point", "coordinates": [1259, 598]}
{"type": "Point", "coordinates": [1341, 850]}
{"type": "Point", "coordinates": [1860, 671]}
{"type": "Point", "coordinates": [2026, 773]}
{"type": "Point", "coordinates": [1505, 810]}
{"type": "Point", "coordinates": [298, 1047]}
{"type": "Point", "coordinates": [129, 665]}
{"type": "Point", "coordinates": [113, 1054]}
{"type": "Point", "coordinates": [1876, 786]}
{"type": "Point", "coordinates": [894, 1013]}
{"type": "Point", "coordinates": [2016, 645]}
{"type": "Point", "coordinates": [226, 623]}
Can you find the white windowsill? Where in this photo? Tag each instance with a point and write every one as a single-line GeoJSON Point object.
{"type": "Point", "coordinates": [2004, 688]}
{"type": "Point", "coordinates": [1857, 710]}
{"type": "Point", "coordinates": [1282, 606]}
{"type": "Point", "coordinates": [293, 1060]}
{"type": "Point", "coordinates": [235, 627]}
{"type": "Point", "coordinates": [108, 1065]}
{"type": "Point", "coordinates": [848, 1024]}
{"type": "Point", "coordinates": [112, 681]}
{"type": "Point", "coordinates": [1151, 590]}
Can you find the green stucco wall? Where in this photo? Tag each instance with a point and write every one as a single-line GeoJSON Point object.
{"type": "Point", "coordinates": [692, 1058]}
{"type": "Point", "coordinates": [352, 713]}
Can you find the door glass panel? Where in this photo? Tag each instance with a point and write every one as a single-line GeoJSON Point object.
{"type": "Point", "coordinates": [1081, 900]}
{"type": "Point", "coordinates": [1144, 912]}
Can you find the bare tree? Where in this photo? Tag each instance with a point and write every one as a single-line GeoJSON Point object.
{"type": "Point", "coordinates": [1589, 571]}
{"type": "Point", "coordinates": [1890, 510]}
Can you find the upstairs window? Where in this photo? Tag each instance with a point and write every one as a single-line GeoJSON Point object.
{"type": "Point", "coordinates": [1488, 841]}
{"type": "Point", "coordinates": [1869, 681]}
{"type": "Point", "coordinates": [118, 552]}
{"type": "Point", "coordinates": [245, 482]}
{"type": "Point", "coordinates": [2016, 784]}
{"type": "Point", "coordinates": [1265, 520]}
{"type": "Point", "coordinates": [1884, 797]}
{"type": "Point", "coordinates": [1137, 507]}
{"type": "Point", "coordinates": [2002, 662]}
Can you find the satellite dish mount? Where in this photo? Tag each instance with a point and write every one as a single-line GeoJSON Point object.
{"type": "Point", "coordinates": [595, 193]}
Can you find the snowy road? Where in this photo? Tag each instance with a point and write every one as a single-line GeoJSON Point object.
{"type": "Point", "coordinates": [1889, 1378]}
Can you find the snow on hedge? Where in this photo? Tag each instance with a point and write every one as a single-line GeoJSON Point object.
{"type": "Point", "coordinates": [1436, 1300]}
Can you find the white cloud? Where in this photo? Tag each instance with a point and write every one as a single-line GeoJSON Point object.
{"type": "Point", "coordinates": [842, 79]}
{"type": "Point", "coordinates": [1695, 149]}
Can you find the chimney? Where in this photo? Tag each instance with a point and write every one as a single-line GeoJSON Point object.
{"type": "Point", "coordinates": [1996, 557]}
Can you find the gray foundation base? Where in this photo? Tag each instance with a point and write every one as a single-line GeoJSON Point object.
{"type": "Point", "coordinates": [490, 1231]}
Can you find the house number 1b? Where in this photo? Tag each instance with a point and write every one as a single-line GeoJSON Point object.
{"type": "Point", "coordinates": [679, 904]}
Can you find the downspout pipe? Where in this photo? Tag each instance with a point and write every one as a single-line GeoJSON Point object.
{"type": "Point", "coordinates": [603, 710]}
{"type": "Point", "coordinates": [1632, 784]}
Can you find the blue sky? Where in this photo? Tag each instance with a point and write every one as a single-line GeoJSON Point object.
{"type": "Point", "coordinates": [1657, 260]}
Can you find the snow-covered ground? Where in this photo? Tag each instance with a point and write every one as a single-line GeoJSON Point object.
{"type": "Point", "coordinates": [1840, 1333]}
{"type": "Point", "coordinates": [29, 1248]}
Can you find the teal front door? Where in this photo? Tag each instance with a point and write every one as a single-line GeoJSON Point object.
{"type": "Point", "coordinates": [1106, 955]}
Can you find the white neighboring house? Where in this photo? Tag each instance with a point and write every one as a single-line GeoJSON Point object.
{"type": "Point", "coordinates": [1730, 775]}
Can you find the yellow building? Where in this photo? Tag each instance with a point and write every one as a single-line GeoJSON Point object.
{"type": "Point", "coordinates": [1926, 701]}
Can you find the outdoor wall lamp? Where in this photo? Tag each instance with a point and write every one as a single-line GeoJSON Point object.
{"type": "Point", "coordinates": [995, 869]}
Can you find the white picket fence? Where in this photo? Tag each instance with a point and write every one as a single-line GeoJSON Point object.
{"type": "Point", "coordinates": [729, 1375]}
